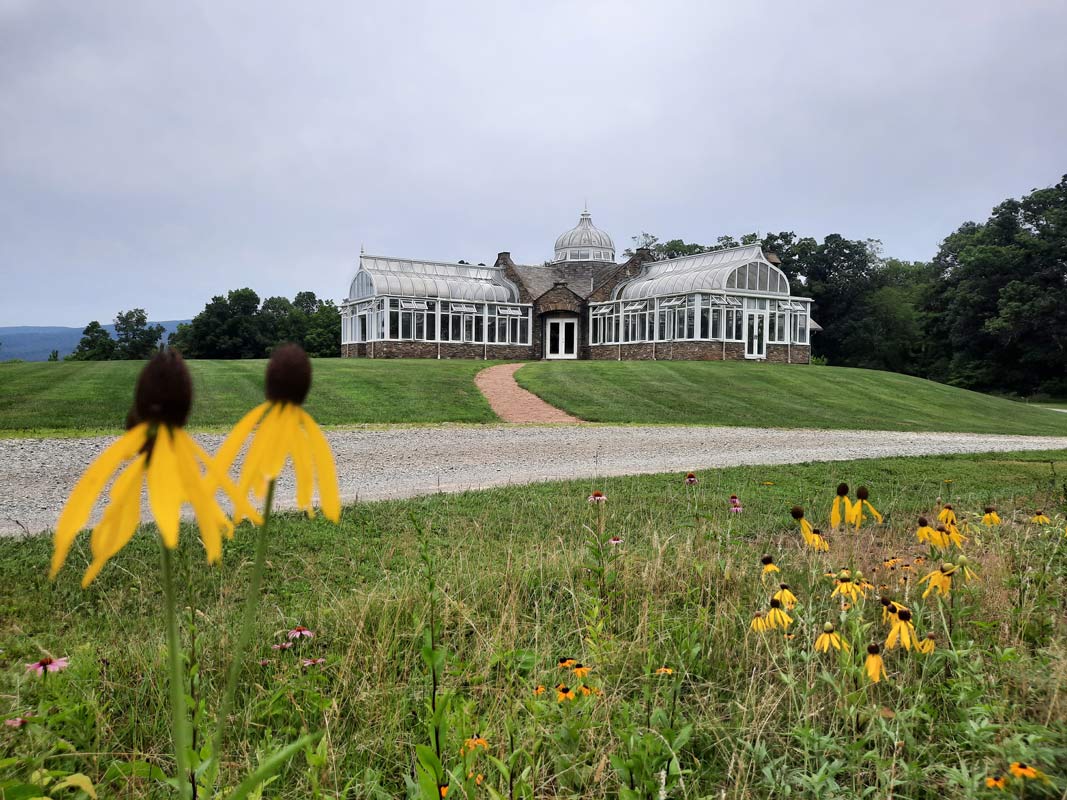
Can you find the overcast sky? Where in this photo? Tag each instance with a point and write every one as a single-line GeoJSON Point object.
{"type": "Point", "coordinates": [155, 154]}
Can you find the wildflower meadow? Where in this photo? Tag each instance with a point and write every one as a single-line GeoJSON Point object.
{"type": "Point", "coordinates": [876, 628]}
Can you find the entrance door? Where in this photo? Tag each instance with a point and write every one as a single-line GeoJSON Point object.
{"type": "Point", "coordinates": [561, 338]}
{"type": "Point", "coordinates": [755, 335]}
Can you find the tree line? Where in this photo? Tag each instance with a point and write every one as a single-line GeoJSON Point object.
{"type": "Point", "coordinates": [234, 326]}
{"type": "Point", "coordinates": [989, 312]}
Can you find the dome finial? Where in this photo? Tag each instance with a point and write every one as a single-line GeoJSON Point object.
{"type": "Point", "coordinates": [585, 242]}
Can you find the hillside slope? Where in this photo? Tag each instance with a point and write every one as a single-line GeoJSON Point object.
{"type": "Point", "coordinates": [34, 342]}
{"type": "Point", "coordinates": [775, 396]}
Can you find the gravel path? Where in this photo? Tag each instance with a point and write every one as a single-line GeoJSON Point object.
{"type": "Point", "coordinates": [37, 474]}
{"type": "Point", "coordinates": [511, 402]}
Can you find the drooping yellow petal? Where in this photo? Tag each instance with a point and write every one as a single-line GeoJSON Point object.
{"type": "Point", "coordinates": [875, 668]}
{"type": "Point", "coordinates": [241, 507]}
{"type": "Point", "coordinates": [835, 512]}
{"type": "Point", "coordinates": [120, 520]}
{"type": "Point", "coordinates": [165, 487]}
{"type": "Point", "coordinates": [82, 499]}
{"type": "Point", "coordinates": [874, 513]}
{"type": "Point", "coordinates": [255, 470]}
{"type": "Point", "coordinates": [325, 468]}
{"type": "Point", "coordinates": [199, 493]}
{"type": "Point", "coordinates": [235, 440]}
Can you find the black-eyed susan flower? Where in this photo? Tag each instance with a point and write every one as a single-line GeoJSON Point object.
{"type": "Point", "coordinates": [927, 644]}
{"type": "Point", "coordinates": [443, 791]}
{"type": "Point", "coordinates": [830, 638]}
{"type": "Point", "coordinates": [690, 479]}
{"type": "Point", "coordinates": [759, 622]}
{"type": "Point", "coordinates": [664, 671]}
{"type": "Point", "coordinates": [786, 596]}
{"type": "Point", "coordinates": [841, 509]}
{"type": "Point", "coordinates": [1021, 769]}
{"type": "Point", "coordinates": [990, 517]}
{"type": "Point", "coordinates": [580, 670]}
{"type": "Point", "coordinates": [281, 430]}
{"type": "Point", "coordinates": [1040, 518]}
{"type": "Point", "coordinates": [158, 452]}
{"type": "Point", "coordinates": [902, 632]}
{"type": "Point", "coordinates": [768, 565]}
{"type": "Point", "coordinates": [566, 662]}
{"type": "Point", "coordinates": [874, 666]}
{"type": "Point", "coordinates": [564, 693]}
{"type": "Point", "coordinates": [776, 617]}
{"type": "Point", "coordinates": [947, 515]}
{"type": "Point", "coordinates": [862, 502]}
{"type": "Point", "coordinates": [996, 782]}
{"type": "Point", "coordinates": [539, 690]}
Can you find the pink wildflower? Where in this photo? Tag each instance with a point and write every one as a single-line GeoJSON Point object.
{"type": "Point", "coordinates": [48, 664]}
{"type": "Point", "coordinates": [264, 662]}
{"type": "Point", "coordinates": [614, 541]}
{"type": "Point", "coordinates": [16, 722]}
{"type": "Point", "coordinates": [281, 646]}
{"type": "Point", "coordinates": [598, 497]}
{"type": "Point", "coordinates": [300, 632]}
{"type": "Point", "coordinates": [690, 479]}
{"type": "Point", "coordinates": [312, 662]}
{"type": "Point", "coordinates": [735, 504]}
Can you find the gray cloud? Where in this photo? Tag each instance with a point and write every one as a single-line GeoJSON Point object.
{"type": "Point", "coordinates": [155, 154]}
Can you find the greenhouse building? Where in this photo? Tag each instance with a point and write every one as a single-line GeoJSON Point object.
{"type": "Point", "coordinates": [727, 304]}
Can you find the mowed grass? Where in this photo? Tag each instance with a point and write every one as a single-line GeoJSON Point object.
{"type": "Point", "coordinates": [775, 396]}
{"type": "Point", "coordinates": [90, 397]}
{"type": "Point", "coordinates": [519, 587]}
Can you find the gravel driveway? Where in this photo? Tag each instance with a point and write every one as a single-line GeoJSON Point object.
{"type": "Point", "coordinates": [37, 474]}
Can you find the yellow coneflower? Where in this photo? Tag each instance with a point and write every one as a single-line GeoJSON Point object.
{"type": "Point", "coordinates": [1040, 518]}
{"type": "Point", "coordinates": [947, 515]}
{"type": "Point", "coordinates": [797, 513]}
{"type": "Point", "coordinates": [664, 671]}
{"type": "Point", "coordinates": [925, 533]}
{"type": "Point", "coordinates": [874, 665]}
{"type": "Point", "coordinates": [991, 516]}
{"type": "Point", "coordinates": [759, 622]}
{"type": "Point", "coordinates": [927, 644]}
{"type": "Point", "coordinates": [786, 596]}
{"type": "Point", "coordinates": [842, 506]}
{"type": "Point", "coordinates": [564, 693]}
{"type": "Point", "coordinates": [940, 580]}
{"type": "Point", "coordinates": [862, 501]}
{"type": "Point", "coordinates": [768, 566]}
{"type": "Point", "coordinates": [890, 609]}
{"type": "Point", "coordinates": [965, 570]}
{"type": "Point", "coordinates": [1021, 769]}
{"type": "Point", "coordinates": [580, 670]}
{"type": "Point", "coordinates": [776, 617]}
{"type": "Point", "coordinates": [996, 782]}
{"type": "Point", "coordinates": [158, 452]}
{"type": "Point", "coordinates": [955, 536]}
{"type": "Point", "coordinates": [830, 638]}
{"type": "Point", "coordinates": [902, 632]}
{"type": "Point", "coordinates": [280, 430]}
{"type": "Point", "coordinates": [862, 583]}
{"type": "Point", "coordinates": [846, 587]}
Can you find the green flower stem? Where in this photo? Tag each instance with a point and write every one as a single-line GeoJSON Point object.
{"type": "Point", "coordinates": [179, 716]}
{"type": "Point", "coordinates": [248, 623]}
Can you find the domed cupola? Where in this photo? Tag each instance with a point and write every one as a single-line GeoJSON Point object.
{"type": "Point", "coordinates": [585, 242]}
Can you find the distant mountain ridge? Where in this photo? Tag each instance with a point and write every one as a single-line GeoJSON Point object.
{"type": "Point", "coordinates": [36, 342]}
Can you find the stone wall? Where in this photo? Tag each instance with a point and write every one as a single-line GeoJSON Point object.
{"type": "Point", "coordinates": [694, 351]}
{"type": "Point", "coordinates": [443, 350]}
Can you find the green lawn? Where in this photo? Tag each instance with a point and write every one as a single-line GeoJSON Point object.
{"type": "Point", "coordinates": [775, 396]}
{"type": "Point", "coordinates": [86, 397]}
{"type": "Point", "coordinates": [523, 580]}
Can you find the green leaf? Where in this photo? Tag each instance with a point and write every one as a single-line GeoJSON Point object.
{"type": "Point", "coordinates": [272, 765]}
{"type": "Point", "coordinates": [79, 781]}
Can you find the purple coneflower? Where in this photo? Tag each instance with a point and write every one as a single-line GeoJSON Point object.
{"type": "Point", "coordinates": [281, 646]}
{"type": "Point", "coordinates": [690, 479]}
{"type": "Point", "coordinates": [615, 541]}
{"type": "Point", "coordinates": [48, 664]}
{"type": "Point", "coordinates": [300, 632]}
{"type": "Point", "coordinates": [312, 662]}
{"type": "Point", "coordinates": [16, 722]}
{"type": "Point", "coordinates": [598, 497]}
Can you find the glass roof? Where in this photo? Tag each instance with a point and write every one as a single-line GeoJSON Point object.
{"type": "Point", "coordinates": [740, 269]}
{"type": "Point", "coordinates": [379, 275]}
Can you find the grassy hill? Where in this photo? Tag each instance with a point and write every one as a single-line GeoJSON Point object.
{"type": "Point", "coordinates": [93, 397]}
{"type": "Point", "coordinates": [776, 396]}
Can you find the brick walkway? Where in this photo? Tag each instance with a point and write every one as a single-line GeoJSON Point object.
{"type": "Point", "coordinates": [511, 402]}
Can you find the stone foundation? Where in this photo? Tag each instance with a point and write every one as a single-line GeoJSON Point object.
{"type": "Point", "coordinates": [694, 351]}
{"type": "Point", "coordinates": [443, 350]}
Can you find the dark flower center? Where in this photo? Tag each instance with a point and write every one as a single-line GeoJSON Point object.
{"type": "Point", "coordinates": [288, 375]}
{"type": "Point", "coordinates": [164, 391]}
